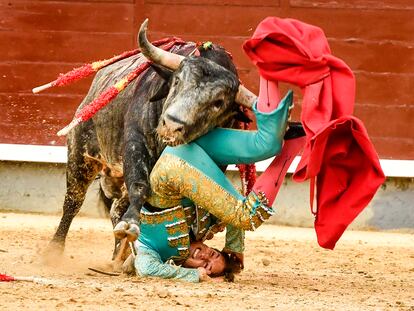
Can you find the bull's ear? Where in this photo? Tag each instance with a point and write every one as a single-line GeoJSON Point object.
{"type": "Point", "coordinates": [161, 93]}
{"type": "Point", "coordinates": [163, 72]}
{"type": "Point", "coordinates": [242, 117]}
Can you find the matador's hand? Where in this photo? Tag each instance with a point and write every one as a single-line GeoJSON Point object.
{"type": "Point", "coordinates": [203, 276]}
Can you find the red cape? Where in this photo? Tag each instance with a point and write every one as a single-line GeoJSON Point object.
{"type": "Point", "coordinates": [338, 156]}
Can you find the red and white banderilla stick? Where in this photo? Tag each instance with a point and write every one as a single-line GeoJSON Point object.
{"type": "Point", "coordinates": [9, 278]}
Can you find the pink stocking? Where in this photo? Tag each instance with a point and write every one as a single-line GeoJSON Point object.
{"type": "Point", "coordinates": [272, 178]}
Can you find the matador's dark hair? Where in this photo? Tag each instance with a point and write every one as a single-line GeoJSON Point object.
{"type": "Point", "coordinates": [232, 266]}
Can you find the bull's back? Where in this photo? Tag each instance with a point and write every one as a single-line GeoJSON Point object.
{"type": "Point", "coordinates": [131, 105]}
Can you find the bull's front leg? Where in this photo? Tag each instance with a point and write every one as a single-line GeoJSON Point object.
{"type": "Point", "coordinates": [136, 174]}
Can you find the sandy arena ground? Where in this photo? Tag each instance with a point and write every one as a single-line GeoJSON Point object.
{"type": "Point", "coordinates": [285, 270]}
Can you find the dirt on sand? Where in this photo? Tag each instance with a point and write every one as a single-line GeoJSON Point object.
{"type": "Point", "coordinates": [285, 270]}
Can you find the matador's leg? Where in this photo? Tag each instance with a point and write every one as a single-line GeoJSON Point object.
{"type": "Point", "coordinates": [190, 172]}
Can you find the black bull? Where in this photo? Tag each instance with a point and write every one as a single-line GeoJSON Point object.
{"type": "Point", "coordinates": [122, 142]}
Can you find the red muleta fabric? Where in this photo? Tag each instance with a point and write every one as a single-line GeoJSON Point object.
{"type": "Point", "coordinates": [338, 152]}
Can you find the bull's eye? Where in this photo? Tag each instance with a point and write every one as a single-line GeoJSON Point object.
{"type": "Point", "coordinates": [176, 81]}
{"type": "Point", "coordinates": [218, 104]}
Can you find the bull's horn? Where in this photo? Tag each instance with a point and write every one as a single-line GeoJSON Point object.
{"type": "Point", "coordinates": [155, 54]}
{"type": "Point", "coordinates": [245, 97]}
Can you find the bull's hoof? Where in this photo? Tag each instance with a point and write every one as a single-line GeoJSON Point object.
{"type": "Point", "coordinates": [120, 230]}
{"type": "Point", "coordinates": [125, 230]}
{"type": "Point", "coordinates": [132, 233]}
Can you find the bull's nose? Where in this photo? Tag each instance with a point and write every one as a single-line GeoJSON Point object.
{"type": "Point", "coordinates": [174, 124]}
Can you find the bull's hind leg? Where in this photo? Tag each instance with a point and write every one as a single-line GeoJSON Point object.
{"type": "Point", "coordinates": [115, 197]}
{"type": "Point", "coordinates": [80, 173]}
{"type": "Point", "coordinates": [121, 249]}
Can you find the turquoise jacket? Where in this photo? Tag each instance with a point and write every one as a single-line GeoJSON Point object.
{"type": "Point", "coordinates": [164, 236]}
{"type": "Point", "coordinates": [164, 240]}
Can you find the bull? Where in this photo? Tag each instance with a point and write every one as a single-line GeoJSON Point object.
{"type": "Point", "coordinates": [175, 101]}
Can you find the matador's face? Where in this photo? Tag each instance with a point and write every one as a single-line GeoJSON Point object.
{"type": "Point", "coordinates": [202, 256]}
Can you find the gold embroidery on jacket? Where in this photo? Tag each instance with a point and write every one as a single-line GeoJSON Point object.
{"type": "Point", "coordinates": [163, 216]}
{"type": "Point", "coordinates": [173, 178]}
{"type": "Point", "coordinates": [190, 214]}
{"type": "Point", "coordinates": [183, 252]}
{"type": "Point", "coordinates": [179, 227]}
{"type": "Point", "coordinates": [182, 240]}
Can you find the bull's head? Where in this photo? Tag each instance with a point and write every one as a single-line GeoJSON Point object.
{"type": "Point", "coordinates": [201, 96]}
